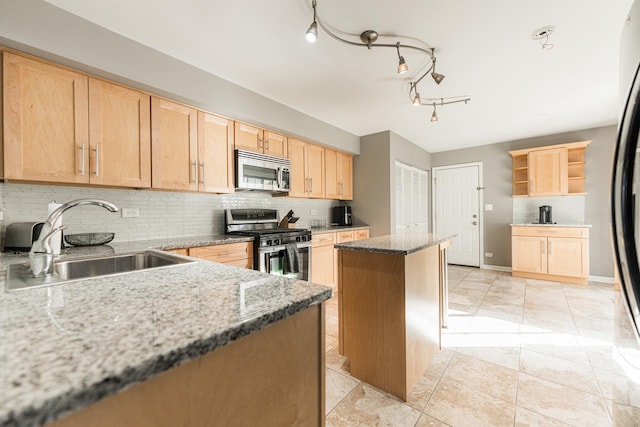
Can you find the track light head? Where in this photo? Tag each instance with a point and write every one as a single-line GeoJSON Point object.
{"type": "Point", "coordinates": [416, 100]}
{"type": "Point", "coordinates": [402, 65]}
{"type": "Point", "coordinates": [434, 116]}
{"type": "Point", "coordinates": [312, 32]}
{"type": "Point", "coordinates": [438, 78]}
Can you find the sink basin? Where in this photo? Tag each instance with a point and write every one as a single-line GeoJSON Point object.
{"type": "Point", "coordinates": [69, 270]}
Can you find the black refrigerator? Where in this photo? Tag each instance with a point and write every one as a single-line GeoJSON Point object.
{"type": "Point", "coordinates": [625, 185]}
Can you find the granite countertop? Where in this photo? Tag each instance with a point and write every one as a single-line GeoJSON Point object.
{"type": "Point", "coordinates": [333, 228]}
{"type": "Point", "coordinates": [401, 243]}
{"type": "Point", "coordinates": [550, 225]}
{"type": "Point", "coordinates": [67, 346]}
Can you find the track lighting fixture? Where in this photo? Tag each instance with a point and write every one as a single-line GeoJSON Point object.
{"type": "Point", "coordinates": [402, 65]}
{"type": "Point", "coordinates": [312, 32]}
{"type": "Point", "coordinates": [369, 38]}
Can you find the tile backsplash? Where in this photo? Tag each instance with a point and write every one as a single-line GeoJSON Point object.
{"type": "Point", "coordinates": [565, 210]}
{"type": "Point", "coordinates": [162, 214]}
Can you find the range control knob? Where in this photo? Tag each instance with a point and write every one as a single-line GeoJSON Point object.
{"type": "Point", "coordinates": [304, 238]}
{"type": "Point", "coordinates": [297, 238]}
{"type": "Point", "coordinates": [268, 242]}
{"type": "Point", "coordinates": [276, 241]}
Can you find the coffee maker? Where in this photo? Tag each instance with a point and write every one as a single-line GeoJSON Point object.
{"type": "Point", "coordinates": [545, 215]}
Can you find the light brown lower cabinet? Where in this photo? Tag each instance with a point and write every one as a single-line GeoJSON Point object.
{"type": "Point", "coordinates": [322, 258]}
{"type": "Point", "coordinates": [275, 376]}
{"type": "Point", "coordinates": [551, 253]}
{"type": "Point", "coordinates": [236, 254]}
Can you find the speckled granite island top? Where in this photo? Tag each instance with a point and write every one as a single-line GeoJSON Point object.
{"type": "Point", "coordinates": [67, 346]}
{"type": "Point", "coordinates": [401, 243]}
{"type": "Point", "coordinates": [550, 225]}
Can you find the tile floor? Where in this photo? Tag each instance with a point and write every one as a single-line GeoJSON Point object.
{"type": "Point", "coordinates": [516, 353]}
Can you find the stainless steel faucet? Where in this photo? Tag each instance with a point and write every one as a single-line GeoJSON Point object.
{"type": "Point", "coordinates": [41, 254]}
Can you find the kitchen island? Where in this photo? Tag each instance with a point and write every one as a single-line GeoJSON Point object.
{"type": "Point", "coordinates": [196, 344]}
{"type": "Point", "coordinates": [390, 305]}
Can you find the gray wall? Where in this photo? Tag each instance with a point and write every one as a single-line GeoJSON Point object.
{"type": "Point", "coordinates": [374, 177]}
{"type": "Point", "coordinates": [39, 28]}
{"type": "Point", "coordinates": [497, 182]}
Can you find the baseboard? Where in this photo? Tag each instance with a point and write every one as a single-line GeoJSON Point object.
{"type": "Point", "coordinates": [601, 279]}
{"type": "Point", "coordinates": [496, 268]}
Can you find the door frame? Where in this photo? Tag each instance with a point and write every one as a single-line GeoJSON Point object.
{"type": "Point", "coordinates": [434, 170]}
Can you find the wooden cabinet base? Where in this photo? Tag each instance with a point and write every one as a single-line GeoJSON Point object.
{"type": "Point", "coordinates": [272, 377]}
{"type": "Point", "coordinates": [555, 278]}
{"type": "Point", "coordinates": [390, 309]}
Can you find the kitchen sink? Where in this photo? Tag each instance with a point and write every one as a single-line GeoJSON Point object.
{"type": "Point", "coordinates": [70, 270]}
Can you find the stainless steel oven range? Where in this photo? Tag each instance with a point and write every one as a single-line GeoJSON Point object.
{"type": "Point", "coordinates": [278, 251]}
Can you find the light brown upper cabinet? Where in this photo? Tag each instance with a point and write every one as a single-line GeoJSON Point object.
{"type": "Point", "coordinates": [338, 175]}
{"type": "Point", "coordinates": [174, 145]}
{"type": "Point", "coordinates": [307, 169]}
{"type": "Point", "coordinates": [557, 170]}
{"type": "Point", "coordinates": [119, 136]}
{"type": "Point", "coordinates": [252, 138]}
{"type": "Point", "coordinates": [46, 122]}
{"type": "Point", "coordinates": [61, 126]}
{"type": "Point", "coordinates": [215, 154]}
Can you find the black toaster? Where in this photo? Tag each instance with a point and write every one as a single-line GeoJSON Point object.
{"type": "Point", "coordinates": [20, 236]}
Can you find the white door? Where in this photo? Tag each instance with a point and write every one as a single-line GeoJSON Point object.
{"type": "Point", "coordinates": [457, 211]}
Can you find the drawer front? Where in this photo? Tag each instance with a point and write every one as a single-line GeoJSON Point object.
{"type": "Point", "coordinates": [323, 239]}
{"type": "Point", "coordinates": [184, 251]}
{"type": "Point", "coordinates": [243, 263]}
{"type": "Point", "coordinates": [362, 234]}
{"type": "Point", "coordinates": [575, 232]}
{"type": "Point", "coordinates": [224, 253]}
{"type": "Point", "coordinates": [345, 236]}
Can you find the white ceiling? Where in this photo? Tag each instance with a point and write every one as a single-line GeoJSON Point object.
{"type": "Point", "coordinates": [517, 89]}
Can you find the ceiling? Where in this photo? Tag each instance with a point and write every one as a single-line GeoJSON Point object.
{"type": "Point", "coordinates": [517, 89]}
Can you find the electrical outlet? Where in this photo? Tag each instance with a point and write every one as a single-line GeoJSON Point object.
{"type": "Point", "coordinates": [130, 212]}
{"type": "Point", "coordinates": [488, 254]}
{"type": "Point", "coordinates": [313, 212]}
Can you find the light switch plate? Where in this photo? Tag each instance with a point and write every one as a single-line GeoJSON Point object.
{"type": "Point", "coordinates": [488, 207]}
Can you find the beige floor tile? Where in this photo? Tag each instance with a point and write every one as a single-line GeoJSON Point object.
{"type": "Point", "coordinates": [600, 355]}
{"type": "Point", "coordinates": [440, 361]}
{"type": "Point", "coordinates": [497, 319]}
{"type": "Point", "coordinates": [458, 405]}
{"type": "Point", "coordinates": [335, 361]}
{"type": "Point", "coordinates": [337, 388]}
{"type": "Point", "coordinates": [331, 325]}
{"type": "Point", "coordinates": [476, 374]}
{"type": "Point", "coordinates": [564, 347]}
{"type": "Point", "coordinates": [427, 421]}
{"type": "Point", "coordinates": [506, 356]}
{"type": "Point", "coordinates": [527, 418]}
{"type": "Point", "coordinates": [625, 416]}
{"type": "Point", "coordinates": [366, 406]}
{"type": "Point", "coordinates": [561, 402]}
{"type": "Point", "coordinates": [571, 374]}
{"type": "Point", "coordinates": [330, 342]}
{"type": "Point", "coordinates": [619, 388]}
{"type": "Point", "coordinates": [422, 391]}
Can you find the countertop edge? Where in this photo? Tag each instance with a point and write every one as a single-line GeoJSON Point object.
{"type": "Point", "coordinates": [553, 225]}
{"type": "Point", "coordinates": [357, 247]}
{"type": "Point", "coordinates": [336, 228]}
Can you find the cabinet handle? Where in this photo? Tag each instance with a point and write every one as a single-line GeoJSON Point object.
{"type": "Point", "coordinates": [194, 171]}
{"type": "Point", "coordinates": [310, 185]}
{"type": "Point", "coordinates": [82, 161]}
{"type": "Point", "coordinates": [542, 247]}
{"type": "Point", "coordinates": [97, 160]}
{"type": "Point", "coordinates": [202, 172]}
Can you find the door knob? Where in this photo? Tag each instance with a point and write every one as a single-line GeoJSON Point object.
{"type": "Point", "coordinates": [475, 216]}
{"type": "Point", "coordinates": [475, 222]}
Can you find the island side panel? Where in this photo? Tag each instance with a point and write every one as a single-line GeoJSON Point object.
{"type": "Point", "coordinates": [372, 291]}
{"type": "Point", "coordinates": [422, 302]}
{"type": "Point", "coordinates": [275, 375]}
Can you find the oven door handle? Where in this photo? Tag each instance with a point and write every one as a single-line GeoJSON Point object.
{"type": "Point", "coordinates": [272, 249]}
{"type": "Point", "coordinates": [279, 178]}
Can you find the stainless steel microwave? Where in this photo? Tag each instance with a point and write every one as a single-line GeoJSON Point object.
{"type": "Point", "coordinates": [261, 172]}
